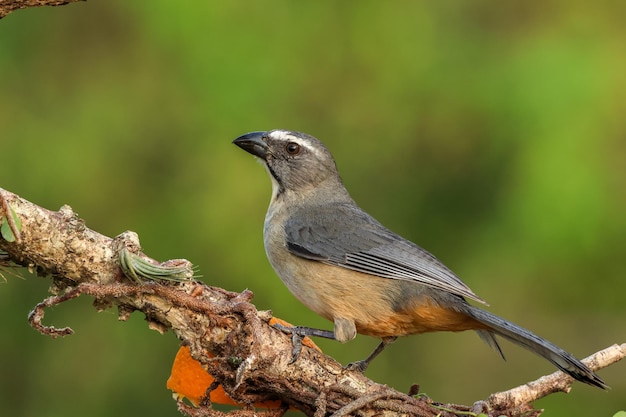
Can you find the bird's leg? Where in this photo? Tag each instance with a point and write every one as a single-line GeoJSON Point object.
{"type": "Point", "coordinates": [361, 366]}
{"type": "Point", "coordinates": [300, 332]}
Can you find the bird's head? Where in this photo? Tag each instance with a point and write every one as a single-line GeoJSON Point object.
{"type": "Point", "coordinates": [296, 162]}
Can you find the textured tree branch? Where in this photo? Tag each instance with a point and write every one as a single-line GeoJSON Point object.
{"type": "Point", "coordinates": [7, 6]}
{"type": "Point", "coordinates": [520, 397]}
{"type": "Point", "coordinates": [251, 358]}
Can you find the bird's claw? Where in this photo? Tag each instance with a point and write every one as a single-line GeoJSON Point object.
{"type": "Point", "coordinates": [358, 366]}
{"type": "Point", "coordinates": [296, 340]}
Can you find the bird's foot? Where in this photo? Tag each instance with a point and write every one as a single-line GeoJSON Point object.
{"type": "Point", "coordinates": [361, 366]}
{"type": "Point", "coordinates": [358, 366]}
{"type": "Point", "coordinates": [298, 333]}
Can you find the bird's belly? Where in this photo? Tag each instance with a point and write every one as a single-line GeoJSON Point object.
{"type": "Point", "coordinates": [379, 307]}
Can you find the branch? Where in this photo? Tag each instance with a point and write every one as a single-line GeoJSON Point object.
{"type": "Point", "coordinates": [520, 397]}
{"type": "Point", "coordinates": [7, 6]}
{"type": "Point", "coordinates": [224, 331]}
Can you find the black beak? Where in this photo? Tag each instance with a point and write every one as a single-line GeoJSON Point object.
{"type": "Point", "coordinates": [253, 143]}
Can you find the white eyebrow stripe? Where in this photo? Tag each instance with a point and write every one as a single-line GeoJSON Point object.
{"type": "Point", "coordinates": [282, 135]}
{"type": "Point", "coordinates": [287, 136]}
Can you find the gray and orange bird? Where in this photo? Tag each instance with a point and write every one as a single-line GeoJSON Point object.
{"type": "Point", "coordinates": [350, 269]}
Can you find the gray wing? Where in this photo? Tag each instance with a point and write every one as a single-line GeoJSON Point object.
{"type": "Point", "coordinates": [346, 236]}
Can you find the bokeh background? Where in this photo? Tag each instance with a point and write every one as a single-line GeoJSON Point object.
{"type": "Point", "coordinates": [491, 133]}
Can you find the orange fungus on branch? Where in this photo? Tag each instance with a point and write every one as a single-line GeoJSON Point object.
{"type": "Point", "coordinates": [190, 380]}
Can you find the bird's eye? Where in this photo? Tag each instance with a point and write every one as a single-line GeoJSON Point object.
{"type": "Point", "coordinates": [292, 148]}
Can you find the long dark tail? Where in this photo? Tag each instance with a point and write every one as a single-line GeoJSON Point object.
{"type": "Point", "coordinates": [525, 338]}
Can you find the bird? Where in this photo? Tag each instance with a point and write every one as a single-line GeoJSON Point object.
{"type": "Point", "coordinates": [350, 269]}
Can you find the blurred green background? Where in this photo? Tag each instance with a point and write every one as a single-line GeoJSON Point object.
{"type": "Point", "coordinates": [491, 133]}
